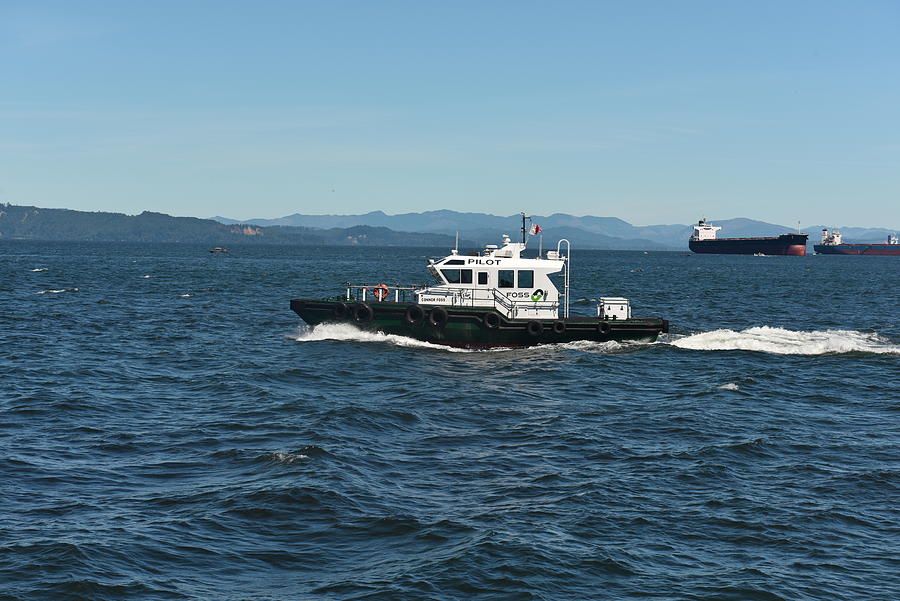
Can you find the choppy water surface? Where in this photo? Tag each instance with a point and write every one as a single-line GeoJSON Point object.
{"type": "Point", "coordinates": [169, 430]}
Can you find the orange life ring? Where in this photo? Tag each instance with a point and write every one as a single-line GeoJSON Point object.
{"type": "Point", "coordinates": [380, 291]}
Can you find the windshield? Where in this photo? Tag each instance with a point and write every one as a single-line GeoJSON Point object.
{"type": "Point", "coordinates": [435, 275]}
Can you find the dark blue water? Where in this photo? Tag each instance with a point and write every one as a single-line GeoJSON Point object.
{"type": "Point", "coordinates": [168, 430]}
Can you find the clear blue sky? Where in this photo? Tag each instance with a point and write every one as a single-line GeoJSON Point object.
{"type": "Point", "coordinates": [651, 111]}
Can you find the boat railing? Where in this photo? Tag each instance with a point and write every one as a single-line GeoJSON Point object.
{"type": "Point", "coordinates": [479, 297]}
{"type": "Point", "coordinates": [399, 292]}
{"type": "Point", "coordinates": [457, 297]}
{"type": "Point", "coordinates": [503, 301]}
{"type": "Point", "coordinates": [566, 272]}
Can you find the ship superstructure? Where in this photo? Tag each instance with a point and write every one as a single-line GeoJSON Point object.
{"type": "Point", "coordinates": [705, 231]}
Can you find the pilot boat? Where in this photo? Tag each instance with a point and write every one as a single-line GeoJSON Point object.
{"type": "Point", "coordinates": [496, 297]}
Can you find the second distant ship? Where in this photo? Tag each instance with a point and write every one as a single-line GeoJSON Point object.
{"type": "Point", "coordinates": [704, 240]}
{"type": "Point", "coordinates": [833, 244]}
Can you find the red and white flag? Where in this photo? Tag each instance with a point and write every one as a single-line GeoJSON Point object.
{"type": "Point", "coordinates": [535, 229]}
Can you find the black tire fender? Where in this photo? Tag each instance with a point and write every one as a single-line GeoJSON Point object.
{"type": "Point", "coordinates": [559, 327]}
{"type": "Point", "coordinates": [438, 317]}
{"type": "Point", "coordinates": [414, 314]}
{"type": "Point", "coordinates": [339, 309]}
{"type": "Point", "coordinates": [534, 328]}
{"type": "Point", "coordinates": [491, 320]}
{"type": "Point", "coordinates": [604, 327]}
{"type": "Point", "coordinates": [363, 313]}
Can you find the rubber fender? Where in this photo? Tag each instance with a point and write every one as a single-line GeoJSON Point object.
{"type": "Point", "coordinates": [534, 328]}
{"type": "Point", "coordinates": [438, 317]}
{"type": "Point", "coordinates": [491, 320]}
{"type": "Point", "coordinates": [363, 313]}
{"type": "Point", "coordinates": [414, 314]}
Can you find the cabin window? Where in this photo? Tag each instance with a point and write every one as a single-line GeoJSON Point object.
{"type": "Point", "coordinates": [482, 278]}
{"type": "Point", "coordinates": [451, 275]}
{"type": "Point", "coordinates": [455, 262]}
{"type": "Point", "coordinates": [526, 278]}
{"type": "Point", "coordinates": [457, 276]}
{"type": "Point", "coordinates": [506, 278]}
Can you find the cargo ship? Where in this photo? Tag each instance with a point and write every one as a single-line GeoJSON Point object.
{"type": "Point", "coordinates": [833, 244]}
{"type": "Point", "coordinates": [704, 240]}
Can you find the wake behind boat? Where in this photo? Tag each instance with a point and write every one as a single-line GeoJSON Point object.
{"type": "Point", "coordinates": [493, 298]}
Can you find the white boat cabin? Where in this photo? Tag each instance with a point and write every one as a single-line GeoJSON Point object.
{"type": "Point", "coordinates": [500, 277]}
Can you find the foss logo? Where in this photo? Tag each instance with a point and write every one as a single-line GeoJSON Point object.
{"type": "Point", "coordinates": [535, 296]}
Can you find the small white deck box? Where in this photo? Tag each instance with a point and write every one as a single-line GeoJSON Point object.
{"type": "Point", "coordinates": [613, 307]}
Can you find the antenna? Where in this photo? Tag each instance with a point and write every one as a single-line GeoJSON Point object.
{"type": "Point", "coordinates": [456, 248]}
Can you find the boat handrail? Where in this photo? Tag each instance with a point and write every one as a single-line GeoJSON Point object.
{"type": "Point", "coordinates": [467, 296]}
{"type": "Point", "coordinates": [361, 290]}
{"type": "Point", "coordinates": [566, 272]}
{"type": "Point", "coordinates": [458, 297]}
{"type": "Point", "coordinates": [503, 301]}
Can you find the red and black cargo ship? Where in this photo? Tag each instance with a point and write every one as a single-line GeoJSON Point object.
{"type": "Point", "coordinates": [704, 241]}
{"type": "Point", "coordinates": [833, 244]}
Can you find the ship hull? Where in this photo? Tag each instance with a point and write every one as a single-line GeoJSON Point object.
{"type": "Point", "coordinates": [787, 244]}
{"type": "Point", "coordinates": [891, 250]}
{"type": "Point", "coordinates": [473, 327]}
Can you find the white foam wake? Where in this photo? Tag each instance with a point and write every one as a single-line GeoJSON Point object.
{"type": "Point", "coordinates": [788, 342]}
{"type": "Point", "coordinates": [603, 348]}
{"type": "Point", "coordinates": [344, 331]}
{"type": "Point", "coordinates": [57, 291]}
{"type": "Point", "coordinates": [335, 331]}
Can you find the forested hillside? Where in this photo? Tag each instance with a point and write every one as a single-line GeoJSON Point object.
{"type": "Point", "coordinates": [33, 223]}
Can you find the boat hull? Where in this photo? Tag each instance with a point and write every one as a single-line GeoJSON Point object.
{"type": "Point", "coordinates": [786, 244]}
{"type": "Point", "coordinates": [891, 250]}
{"type": "Point", "coordinates": [473, 327]}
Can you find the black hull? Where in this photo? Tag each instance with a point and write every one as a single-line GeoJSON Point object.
{"type": "Point", "coordinates": [786, 244]}
{"type": "Point", "coordinates": [473, 327]}
{"type": "Point", "coordinates": [885, 250]}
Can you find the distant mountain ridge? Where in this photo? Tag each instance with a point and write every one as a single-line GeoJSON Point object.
{"type": "Point", "coordinates": [35, 223]}
{"type": "Point", "coordinates": [428, 229]}
{"type": "Point", "coordinates": [587, 231]}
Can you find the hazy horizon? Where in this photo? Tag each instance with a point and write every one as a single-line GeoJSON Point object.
{"type": "Point", "coordinates": [713, 220]}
